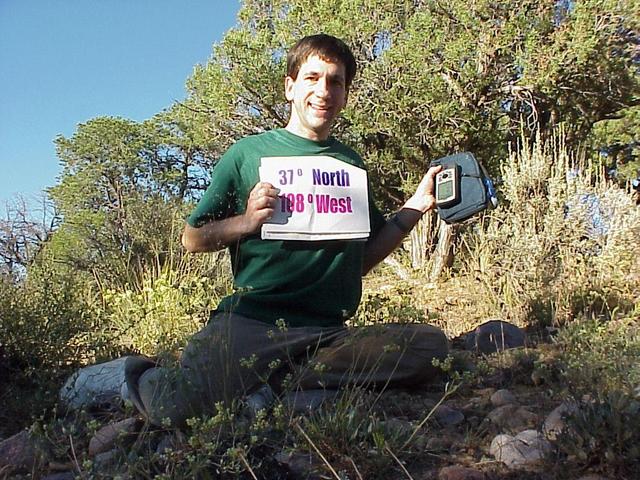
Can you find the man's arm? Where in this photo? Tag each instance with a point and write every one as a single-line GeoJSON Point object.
{"type": "Point", "coordinates": [390, 236]}
{"type": "Point", "coordinates": [218, 234]}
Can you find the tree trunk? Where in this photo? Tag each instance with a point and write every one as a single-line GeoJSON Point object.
{"type": "Point", "coordinates": [422, 240]}
{"type": "Point", "coordinates": [442, 254]}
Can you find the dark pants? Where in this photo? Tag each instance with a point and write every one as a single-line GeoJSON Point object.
{"type": "Point", "coordinates": [234, 355]}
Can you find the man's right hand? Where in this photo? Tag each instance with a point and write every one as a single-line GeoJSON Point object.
{"type": "Point", "coordinates": [217, 234]}
{"type": "Point", "coordinates": [260, 206]}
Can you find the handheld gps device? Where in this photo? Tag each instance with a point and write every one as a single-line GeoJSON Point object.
{"type": "Point", "coordinates": [462, 188]}
{"type": "Point", "coordinates": [447, 186]}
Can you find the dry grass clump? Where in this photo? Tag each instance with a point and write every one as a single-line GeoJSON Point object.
{"type": "Point", "coordinates": [457, 304]}
{"type": "Point", "coordinates": [564, 240]}
{"type": "Point", "coordinates": [169, 306]}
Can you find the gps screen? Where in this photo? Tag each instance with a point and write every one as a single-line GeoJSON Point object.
{"type": "Point", "coordinates": [445, 190]}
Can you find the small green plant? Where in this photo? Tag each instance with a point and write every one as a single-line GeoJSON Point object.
{"type": "Point", "coordinates": [351, 437]}
{"type": "Point", "coordinates": [602, 433]}
{"type": "Point", "coordinates": [457, 368]}
{"type": "Point", "coordinates": [386, 307]}
{"type": "Point", "coordinates": [227, 445]}
{"type": "Point", "coordinates": [600, 356]}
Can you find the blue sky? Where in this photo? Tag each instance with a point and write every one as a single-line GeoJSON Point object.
{"type": "Point", "coordinates": [63, 62]}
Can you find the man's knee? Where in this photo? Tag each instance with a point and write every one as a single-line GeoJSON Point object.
{"type": "Point", "coordinates": [430, 339]}
{"type": "Point", "coordinates": [420, 345]}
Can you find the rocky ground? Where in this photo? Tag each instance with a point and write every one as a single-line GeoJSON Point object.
{"type": "Point", "coordinates": [500, 419]}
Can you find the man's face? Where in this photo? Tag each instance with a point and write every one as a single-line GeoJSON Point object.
{"type": "Point", "coordinates": [317, 96]}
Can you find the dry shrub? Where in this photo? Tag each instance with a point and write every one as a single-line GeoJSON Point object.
{"type": "Point", "coordinates": [563, 241]}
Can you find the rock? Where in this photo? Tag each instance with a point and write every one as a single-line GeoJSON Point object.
{"type": "Point", "coordinates": [525, 449]}
{"type": "Point", "coordinates": [308, 401]}
{"type": "Point", "coordinates": [474, 404]}
{"type": "Point", "coordinates": [513, 417]}
{"type": "Point", "coordinates": [447, 416]}
{"type": "Point", "coordinates": [538, 377]}
{"type": "Point", "coordinates": [554, 423]}
{"type": "Point", "coordinates": [300, 465]}
{"type": "Point", "coordinates": [593, 476]}
{"type": "Point", "coordinates": [494, 336]}
{"type": "Point", "coordinates": [60, 476]}
{"type": "Point", "coordinates": [20, 453]}
{"type": "Point", "coordinates": [106, 438]}
{"type": "Point", "coordinates": [480, 400]}
{"type": "Point", "coordinates": [105, 459]}
{"type": "Point", "coordinates": [460, 473]}
{"type": "Point", "coordinates": [503, 397]}
{"type": "Point", "coordinates": [54, 466]}
{"type": "Point", "coordinates": [484, 392]}
{"type": "Point", "coordinates": [474, 421]}
{"type": "Point", "coordinates": [438, 444]}
{"type": "Point", "coordinates": [398, 425]}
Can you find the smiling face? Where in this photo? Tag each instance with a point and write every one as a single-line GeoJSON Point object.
{"type": "Point", "coordinates": [317, 95]}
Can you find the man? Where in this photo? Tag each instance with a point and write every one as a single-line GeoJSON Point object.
{"type": "Point", "coordinates": [285, 319]}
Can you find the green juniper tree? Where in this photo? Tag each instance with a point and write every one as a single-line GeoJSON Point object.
{"type": "Point", "coordinates": [121, 192]}
{"type": "Point", "coordinates": [434, 77]}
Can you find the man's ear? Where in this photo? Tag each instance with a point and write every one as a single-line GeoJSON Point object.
{"type": "Point", "coordinates": [288, 88]}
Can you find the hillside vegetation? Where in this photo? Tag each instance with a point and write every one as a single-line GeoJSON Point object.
{"type": "Point", "coordinates": [545, 93]}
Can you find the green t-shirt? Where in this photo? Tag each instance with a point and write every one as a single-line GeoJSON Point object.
{"type": "Point", "coordinates": [305, 283]}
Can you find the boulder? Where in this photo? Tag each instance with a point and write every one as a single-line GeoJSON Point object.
{"type": "Point", "coordinates": [494, 336]}
{"type": "Point", "coordinates": [107, 437]}
{"type": "Point", "coordinates": [447, 416]}
{"type": "Point", "coordinates": [513, 417]}
{"type": "Point", "coordinates": [525, 449]}
{"type": "Point", "coordinates": [503, 397]}
{"type": "Point", "coordinates": [20, 452]}
{"type": "Point", "coordinates": [554, 424]}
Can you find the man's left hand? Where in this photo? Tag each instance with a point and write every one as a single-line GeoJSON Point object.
{"type": "Point", "coordinates": [424, 198]}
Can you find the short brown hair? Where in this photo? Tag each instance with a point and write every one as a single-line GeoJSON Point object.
{"type": "Point", "coordinates": [327, 48]}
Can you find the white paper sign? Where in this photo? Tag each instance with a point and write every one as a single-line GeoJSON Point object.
{"type": "Point", "coordinates": [321, 198]}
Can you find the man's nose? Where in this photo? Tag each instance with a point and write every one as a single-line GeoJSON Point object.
{"type": "Point", "coordinates": [322, 88]}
